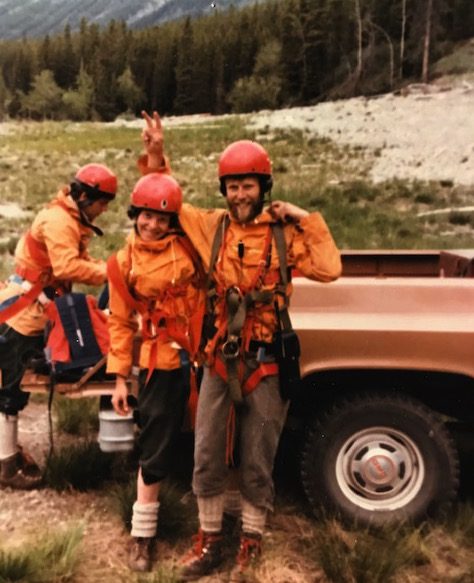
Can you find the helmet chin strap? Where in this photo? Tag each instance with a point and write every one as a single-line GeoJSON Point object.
{"type": "Point", "coordinates": [81, 205]}
{"type": "Point", "coordinates": [267, 200]}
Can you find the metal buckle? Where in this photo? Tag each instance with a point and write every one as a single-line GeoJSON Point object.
{"type": "Point", "coordinates": [234, 290]}
{"type": "Point", "coordinates": [231, 347]}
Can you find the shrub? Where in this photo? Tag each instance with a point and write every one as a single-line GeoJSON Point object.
{"type": "Point", "coordinates": [81, 466]}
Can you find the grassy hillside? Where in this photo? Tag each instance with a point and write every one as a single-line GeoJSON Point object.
{"type": "Point", "coordinates": [37, 158]}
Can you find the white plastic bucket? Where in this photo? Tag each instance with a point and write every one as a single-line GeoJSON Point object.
{"type": "Point", "coordinates": [116, 432]}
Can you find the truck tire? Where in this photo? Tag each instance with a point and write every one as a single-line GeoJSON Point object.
{"type": "Point", "coordinates": [379, 458]}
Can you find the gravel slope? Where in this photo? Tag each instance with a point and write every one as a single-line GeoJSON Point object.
{"type": "Point", "coordinates": [426, 134]}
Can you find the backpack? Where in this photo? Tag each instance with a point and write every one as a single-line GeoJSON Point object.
{"type": "Point", "coordinates": [77, 335]}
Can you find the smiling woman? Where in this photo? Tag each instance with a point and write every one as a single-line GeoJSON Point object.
{"type": "Point", "coordinates": [155, 276]}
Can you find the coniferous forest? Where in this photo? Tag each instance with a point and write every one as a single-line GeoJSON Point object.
{"type": "Point", "coordinates": [269, 55]}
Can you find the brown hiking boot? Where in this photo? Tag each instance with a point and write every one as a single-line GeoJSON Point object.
{"type": "Point", "coordinates": [203, 558]}
{"type": "Point", "coordinates": [20, 471]}
{"type": "Point", "coordinates": [139, 557]}
{"type": "Point", "coordinates": [249, 552]}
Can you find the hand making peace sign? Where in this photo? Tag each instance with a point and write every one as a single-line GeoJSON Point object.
{"type": "Point", "coordinates": [152, 136]}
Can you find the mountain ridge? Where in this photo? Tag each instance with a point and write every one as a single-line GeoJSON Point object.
{"type": "Point", "coordinates": [37, 18]}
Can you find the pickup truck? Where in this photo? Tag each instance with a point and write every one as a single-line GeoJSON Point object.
{"type": "Point", "coordinates": [387, 371]}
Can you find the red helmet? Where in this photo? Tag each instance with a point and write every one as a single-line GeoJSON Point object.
{"type": "Point", "coordinates": [97, 181]}
{"type": "Point", "coordinates": [158, 192]}
{"type": "Point", "coordinates": [245, 157]}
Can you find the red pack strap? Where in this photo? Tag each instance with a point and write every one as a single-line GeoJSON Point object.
{"type": "Point", "coordinates": [118, 281]}
{"type": "Point", "coordinates": [116, 278]}
{"type": "Point", "coordinates": [179, 335]}
{"type": "Point", "coordinates": [151, 330]}
{"type": "Point", "coordinates": [21, 303]}
{"type": "Point", "coordinates": [194, 256]}
{"type": "Point", "coordinates": [231, 430]}
{"type": "Point", "coordinates": [265, 369]}
{"type": "Point", "coordinates": [32, 275]}
{"type": "Point", "coordinates": [220, 368]}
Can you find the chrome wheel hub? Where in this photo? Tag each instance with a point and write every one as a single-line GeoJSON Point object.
{"type": "Point", "coordinates": [380, 468]}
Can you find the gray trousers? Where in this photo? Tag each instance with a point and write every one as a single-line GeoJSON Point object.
{"type": "Point", "coordinates": [260, 425]}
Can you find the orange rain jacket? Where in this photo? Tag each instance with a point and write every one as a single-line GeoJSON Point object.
{"type": "Point", "coordinates": [163, 274]}
{"type": "Point", "coordinates": [64, 239]}
{"type": "Point", "coordinates": [310, 249]}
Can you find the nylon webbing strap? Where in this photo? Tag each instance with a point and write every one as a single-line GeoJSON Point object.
{"type": "Point", "coordinates": [282, 313]}
{"type": "Point", "coordinates": [118, 281]}
{"type": "Point", "coordinates": [237, 304]}
{"type": "Point", "coordinates": [216, 246]}
{"type": "Point", "coordinates": [236, 310]}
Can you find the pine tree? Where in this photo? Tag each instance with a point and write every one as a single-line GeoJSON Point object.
{"type": "Point", "coordinates": [66, 62]}
{"type": "Point", "coordinates": [314, 43]}
{"type": "Point", "coordinates": [4, 97]}
{"type": "Point", "coordinates": [184, 100]}
{"type": "Point", "coordinates": [23, 68]}
{"type": "Point", "coordinates": [292, 59]}
{"type": "Point", "coordinates": [45, 60]}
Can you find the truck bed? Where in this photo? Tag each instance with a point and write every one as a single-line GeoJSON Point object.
{"type": "Point", "coordinates": [390, 310]}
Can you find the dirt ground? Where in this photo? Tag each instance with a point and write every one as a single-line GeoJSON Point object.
{"type": "Point", "coordinates": [104, 548]}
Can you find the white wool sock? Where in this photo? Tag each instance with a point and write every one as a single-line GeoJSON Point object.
{"type": "Point", "coordinates": [211, 509]}
{"type": "Point", "coordinates": [8, 435]}
{"type": "Point", "coordinates": [253, 518]}
{"type": "Point", "coordinates": [232, 502]}
{"type": "Point", "coordinates": [145, 520]}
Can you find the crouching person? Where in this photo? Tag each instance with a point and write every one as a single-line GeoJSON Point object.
{"type": "Point", "coordinates": [49, 258]}
{"type": "Point", "coordinates": [153, 279]}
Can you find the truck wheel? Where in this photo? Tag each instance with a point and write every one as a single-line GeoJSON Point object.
{"type": "Point", "coordinates": [378, 459]}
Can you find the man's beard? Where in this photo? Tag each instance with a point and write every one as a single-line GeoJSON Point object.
{"type": "Point", "coordinates": [245, 213]}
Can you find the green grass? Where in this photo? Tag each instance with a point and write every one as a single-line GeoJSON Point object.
{"type": "Point", "coordinates": [364, 556]}
{"type": "Point", "coordinates": [76, 416]}
{"type": "Point", "coordinates": [81, 466]}
{"type": "Point", "coordinates": [53, 560]}
{"type": "Point", "coordinates": [460, 524]}
{"type": "Point", "coordinates": [37, 158]}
